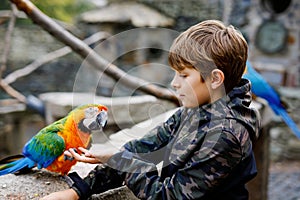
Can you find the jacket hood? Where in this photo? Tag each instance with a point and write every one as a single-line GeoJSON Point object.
{"type": "Point", "coordinates": [235, 105]}
{"type": "Point", "coordinates": [239, 101]}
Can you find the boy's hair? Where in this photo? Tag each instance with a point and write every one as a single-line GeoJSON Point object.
{"type": "Point", "coordinates": [209, 45]}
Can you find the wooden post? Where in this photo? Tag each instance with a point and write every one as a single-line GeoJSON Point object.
{"type": "Point", "coordinates": [258, 187]}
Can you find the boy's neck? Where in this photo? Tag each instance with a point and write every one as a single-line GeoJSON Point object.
{"type": "Point", "coordinates": [217, 94]}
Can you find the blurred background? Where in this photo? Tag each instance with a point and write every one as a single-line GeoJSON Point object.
{"type": "Point", "coordinates": [271, 28]}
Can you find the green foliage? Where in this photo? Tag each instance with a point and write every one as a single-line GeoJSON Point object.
{"type": "Point", "coordinates": [4, 5]}
{"type": "Point", "coordinates": [64, 10]}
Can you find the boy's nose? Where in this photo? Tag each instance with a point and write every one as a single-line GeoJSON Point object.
{"type": "Point", "coordinates": [174, 83]}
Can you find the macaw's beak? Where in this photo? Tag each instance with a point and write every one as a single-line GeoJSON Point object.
{"type": "Point", "coordinates": [102, 118]}
{"type": "Point", "coordinates": [97, 122]}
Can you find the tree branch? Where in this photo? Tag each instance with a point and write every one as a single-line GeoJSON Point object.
{"type": "Point", "coordinates": [12, 77]}
{"type": "Point", "coordinates": [12, 92]}
{"type": "Point", "coordinates": [8, 36]}
{"type": "Point", "coordinates": [87, 53]}
{"type": "Point", "coordinates": [8, 89]}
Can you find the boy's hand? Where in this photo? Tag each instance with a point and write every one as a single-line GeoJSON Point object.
{"type": "Point", "coordinates": [91, 157]}
{"type": "Point", "coordinates": [86, 156]}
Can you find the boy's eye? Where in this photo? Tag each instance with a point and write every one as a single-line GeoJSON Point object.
{"type": "Point", "coordinates": [182, 75]}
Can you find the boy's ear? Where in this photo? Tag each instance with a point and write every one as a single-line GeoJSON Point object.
{"type": "Point", "coordinates": [217, 78]}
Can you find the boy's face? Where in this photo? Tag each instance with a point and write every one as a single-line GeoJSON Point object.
{"type": "Point", "coordinates": [191, 90]}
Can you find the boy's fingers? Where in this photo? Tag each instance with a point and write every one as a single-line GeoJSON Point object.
{"type": "Point", "coordinates": [67, 153]}
{"type": "Point", "coordinates": [85, 157]}
{"type": "Point", "coordinates": [74, 154]}
{"type": "Point", "coordinates": [79, 157]}
{"type": "Point", "coordinates": [85, 151]}
{"type": "Point", "coordinates": [82, 149]}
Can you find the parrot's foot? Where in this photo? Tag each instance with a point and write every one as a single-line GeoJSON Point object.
{"type": "Point", "coordinates": [70, 158]}
{"type": "Point", "coordinates": [25, 170]}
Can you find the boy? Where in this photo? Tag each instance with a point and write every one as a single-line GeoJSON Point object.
{"type": "Point", "coordinates": [206, 146]}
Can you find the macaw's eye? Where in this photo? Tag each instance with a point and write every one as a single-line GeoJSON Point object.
{"type": "Point", "coordinates": [91, 112]}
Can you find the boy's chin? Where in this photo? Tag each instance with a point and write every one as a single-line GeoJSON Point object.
{"type": "Point", "coordinates": [185, 105]}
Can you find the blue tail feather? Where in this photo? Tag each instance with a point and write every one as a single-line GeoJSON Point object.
{"type": "Point", "coordinates": [17, 165]}
{"type": "Point", "coordinates": [289, 121]}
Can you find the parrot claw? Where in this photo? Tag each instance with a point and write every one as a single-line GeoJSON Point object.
{"type": "Point", "coordinates": [68, 158]}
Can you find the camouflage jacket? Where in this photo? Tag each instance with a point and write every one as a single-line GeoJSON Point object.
{"type": "Point", "coordinates": [204, 153]}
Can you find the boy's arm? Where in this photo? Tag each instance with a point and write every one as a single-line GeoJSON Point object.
{"type": "Point", "coordinates": [68, 194]}
{"type": "Point", "coordinates": [201, 173]}
{"type": "Point", "coordinates": [151, 147]}
{"type": "Point", "coordinates": [103, 177]}
{"type": "Point", "coordinates": [157, 137]}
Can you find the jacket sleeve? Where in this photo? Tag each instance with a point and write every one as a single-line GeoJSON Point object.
{"type": "Point", "coordinates": [99, 180]}
{"type": "Point", "coordinates": [105, 177]}
{"type": "Point", "coordinates": [204, 170]}
{"type": "Point", "coordinates": [151, 146]}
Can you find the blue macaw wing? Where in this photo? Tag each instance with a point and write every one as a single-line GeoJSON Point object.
{"type": "Point", "coordinates": [46, 146]}
{"type": "Point", "coordinates": [260, 86]}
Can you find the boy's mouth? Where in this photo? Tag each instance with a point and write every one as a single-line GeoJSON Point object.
{"type": "Point", "coordinates": [181, 95]}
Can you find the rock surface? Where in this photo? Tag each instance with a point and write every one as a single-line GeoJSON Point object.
{"type": "Point", "coordinates": [40, 183]}
{"type": "Point", "coordinates": [30, 186]}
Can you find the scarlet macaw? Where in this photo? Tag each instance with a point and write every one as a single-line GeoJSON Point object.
{"type": "Point", "coordinates": [261, 88]}
{"type": "Point", "coordinates": [46, 148]}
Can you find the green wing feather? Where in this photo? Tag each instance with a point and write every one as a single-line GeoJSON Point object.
{"type": "Point", "coordinates": [47, 145]}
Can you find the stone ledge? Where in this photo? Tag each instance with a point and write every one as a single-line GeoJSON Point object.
{"type": "Point", "coordinates": [40, 183]}
{"type": "Point", "coordinates": [127, 110]}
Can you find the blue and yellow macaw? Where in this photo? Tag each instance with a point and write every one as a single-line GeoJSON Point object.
{"type": "Point", "coordinates": [262, 89]}
{"type": "Point", "coordinates": [46, 148]}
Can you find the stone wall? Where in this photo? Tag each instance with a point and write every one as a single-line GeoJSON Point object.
{"type": "Point", "coordinates": [30, 43]}
{"type": "Point", "coordinates": [284, 64]}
